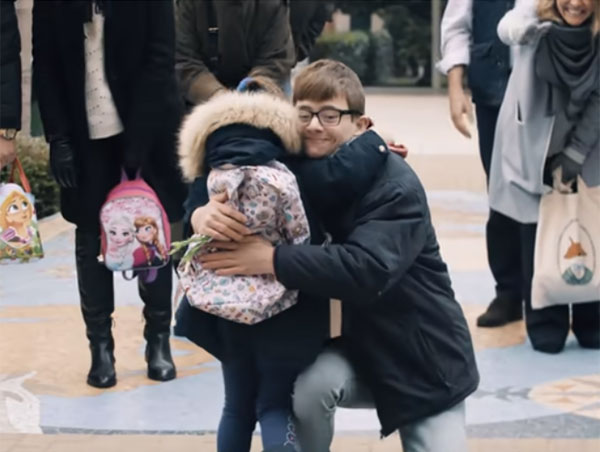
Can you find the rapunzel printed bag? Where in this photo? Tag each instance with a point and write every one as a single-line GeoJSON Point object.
{"type": "Point", "coordinates": [19, 236]}
{"type": "Point", "coordinates": [135, 229]}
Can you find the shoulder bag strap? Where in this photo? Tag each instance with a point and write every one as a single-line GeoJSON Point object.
{"type": "Point", "coordinates": [22, 177]}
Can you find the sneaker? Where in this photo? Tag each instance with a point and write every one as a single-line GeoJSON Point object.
{"type": "Point", "coordinates": [500, 312]}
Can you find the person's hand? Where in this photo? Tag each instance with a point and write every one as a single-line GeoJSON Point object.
{"type": "Point", "coordinates": [219, 220]}
{"type": "Point", "coordinates": [461, 111]}
{"type": "Point", "coordinates": [252, 256]}
{"type": "Point", "coordinates": [526, 32]}
{"type": "Point", "coordinates": [461, 108]}
{"type": "Point", "coordinates": [8, 152]}
{"type": "Point", "coordinates": [570, 168]}
{"type": "Point", "coordinates": [62, 162]}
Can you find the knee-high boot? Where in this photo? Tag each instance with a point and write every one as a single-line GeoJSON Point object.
{"type": "Point", "coordinates": [97, 304]}
{"type": "Point", "coordinates": [157, 313]}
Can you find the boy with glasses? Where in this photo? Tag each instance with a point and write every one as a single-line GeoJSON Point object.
{"type": "Point", "coordinates": [405, 347]}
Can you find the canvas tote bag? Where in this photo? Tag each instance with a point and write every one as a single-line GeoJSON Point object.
{"type": "Point", "coordinates": [19, 233]}
{"type": "Point", "coordinates": [567, 247]}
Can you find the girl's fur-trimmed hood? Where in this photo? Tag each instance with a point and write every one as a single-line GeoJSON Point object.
{"type": "Point", "coordinates": [256, 109]}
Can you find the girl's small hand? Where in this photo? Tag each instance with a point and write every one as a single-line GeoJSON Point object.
{"type": "Point", "coordinates": [219, 220]}
{"type": "Point", "coordinates": [253, 255]}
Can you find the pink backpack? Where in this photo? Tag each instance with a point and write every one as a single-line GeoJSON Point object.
{"type": "Point", "coordinates": [135, 230]}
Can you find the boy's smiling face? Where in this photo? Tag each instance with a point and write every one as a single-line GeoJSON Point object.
{"type": "Point", "coordinates": [321, 141]}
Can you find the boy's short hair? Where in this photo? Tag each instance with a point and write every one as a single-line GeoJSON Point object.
{"type": "Point", "coordinates": [326, 79]}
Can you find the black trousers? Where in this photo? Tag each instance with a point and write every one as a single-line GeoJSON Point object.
{"type": "Point", "coordinates": [502, 232]}
{"type": "Point", "coordinates": [100, 171]}
{"type": "Point", "coordinates": [550, 326]}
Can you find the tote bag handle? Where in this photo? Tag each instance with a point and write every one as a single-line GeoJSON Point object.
{"type": "Point", "coordinates": [22, 177]}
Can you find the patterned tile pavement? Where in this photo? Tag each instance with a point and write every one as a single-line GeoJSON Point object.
{"type": "Point", "coordinates": [527, 401]}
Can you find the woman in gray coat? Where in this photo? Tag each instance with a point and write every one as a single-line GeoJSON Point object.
{"type": "Point", "coordinates": [548, 119]}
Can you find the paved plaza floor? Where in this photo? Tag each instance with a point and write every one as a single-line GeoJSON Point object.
{"type": "Point", "coordinates": [527, 401]}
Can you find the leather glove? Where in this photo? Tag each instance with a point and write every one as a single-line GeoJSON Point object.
{"type": "Point", "coordinates": [570, 168]}
{"type": "Point", "coordinates": [62, 162]}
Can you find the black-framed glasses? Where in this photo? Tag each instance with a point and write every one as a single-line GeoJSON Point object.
{"type": "Point", "coordinates": [328, 116]}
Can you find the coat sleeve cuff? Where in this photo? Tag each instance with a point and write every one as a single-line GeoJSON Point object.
{"type": "Point", "coordinates": [203, 87]}
{"type": "Point", "coordinates": [451, 59]}
{"type": "Point", "coordinates": [575, 155]}
{"type": "Point", "coordinates": [279, 273]}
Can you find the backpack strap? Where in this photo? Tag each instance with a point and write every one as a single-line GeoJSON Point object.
{"type": "Point", "coordinates": [147, 276]}
{"type": "Point", "coordinates": [213, 36]}
{"type": "Point", "coordinates": [125, 177]}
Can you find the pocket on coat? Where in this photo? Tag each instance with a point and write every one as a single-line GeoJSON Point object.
{"type": "Point", "coordinates": [430, 360]}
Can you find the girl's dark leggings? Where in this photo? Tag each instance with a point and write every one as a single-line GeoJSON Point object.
{"type": "Point", "coordinates": [257, 389]}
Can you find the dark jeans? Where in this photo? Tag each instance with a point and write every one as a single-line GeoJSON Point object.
{"type": "Point", "coordinates": [502, 232]}
{"type": "Point", "coordinates": [257, 388]}
{"type": "Point", "coordinates": [548, 328]}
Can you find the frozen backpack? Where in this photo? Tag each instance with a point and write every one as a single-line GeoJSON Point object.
{"type": "Point", "coordinates": [135, 230]}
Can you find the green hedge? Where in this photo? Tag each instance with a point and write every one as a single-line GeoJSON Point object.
{"type": "Point", "coordinates": [351, 48]}
{"type": "Point", "coordinates": [382, 58]}
{"type": "Point", "coordinates": [33, 154]}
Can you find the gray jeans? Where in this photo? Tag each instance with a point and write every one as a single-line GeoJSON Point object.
{"type": "Point", "coordinates": [331, 382]}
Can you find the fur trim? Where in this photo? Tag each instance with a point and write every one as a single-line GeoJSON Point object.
{"type": "Point", "coordinates": [256, 109]}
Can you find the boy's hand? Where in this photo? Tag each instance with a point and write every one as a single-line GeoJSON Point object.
{"type": "Point", "coordinates": [219, 220]}
{"type": "Point", "coordinates": [252, 256]}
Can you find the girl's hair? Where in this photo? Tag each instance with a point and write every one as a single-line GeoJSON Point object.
{"type": "Point", "coordinates": [14, 196]}
{"type": "Point", "coordinates": [145, 221]}
{"type": "Point", "coordinates": [122, 220]}
{"type": "Point", "coordinates": [547, 10]}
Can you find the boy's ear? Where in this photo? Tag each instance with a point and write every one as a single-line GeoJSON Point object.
{"type": "Point", "coordinates": [363, 123]}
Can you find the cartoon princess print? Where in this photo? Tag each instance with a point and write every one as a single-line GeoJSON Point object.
{"type": "Point", "coordinates": [120, 235]}
{"type": "Point", "coordinates": [150, 253]}
{"type": "Point", "coordinates": [16, 214]}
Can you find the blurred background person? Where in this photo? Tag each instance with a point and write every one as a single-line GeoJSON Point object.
{"type": "Point", "coordinates": [105, 80]}
{"type": "Point", "coordinates": [10, 81]}
{"type": "Point", "coordinates": [470, 44]}
{"type": "Point", "coordinates": [549, 119]}
{"type": "Point", "coordinates": [307, 20]}
{"type": "Point", "coordinates": [219, 43]}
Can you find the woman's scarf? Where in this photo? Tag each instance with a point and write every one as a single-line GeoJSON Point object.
{"type": "Point", "coordinates": [568, 58]}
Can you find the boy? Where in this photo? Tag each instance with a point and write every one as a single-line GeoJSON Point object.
{"type": "Point", "coordinates": [405, 348]}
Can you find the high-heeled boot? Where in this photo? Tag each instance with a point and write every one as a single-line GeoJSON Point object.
{"type": "Point", "coordinates": [157, 313]}
{"type": "Point", "coordinates": [97, 304]}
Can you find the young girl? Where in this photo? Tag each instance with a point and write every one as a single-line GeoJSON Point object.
{"type": "Point", "coordinates": [150, 252]}
{"type": "Point", "coordinates": [239, 136]}
{"type": "Point", "coordinates": [548, 119]}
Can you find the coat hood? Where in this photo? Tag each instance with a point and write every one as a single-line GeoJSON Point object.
{"type": "Point", "coordinates": [259, 110]}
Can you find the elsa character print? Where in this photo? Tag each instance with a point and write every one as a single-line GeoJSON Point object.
{"type": "Point", "coordinates": [120, 239]}
{"type": "Point", "coordinates": [150, 253]}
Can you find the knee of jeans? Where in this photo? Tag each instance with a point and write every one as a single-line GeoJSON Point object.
{"type": "Point", "coordinates": [313, 392]}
